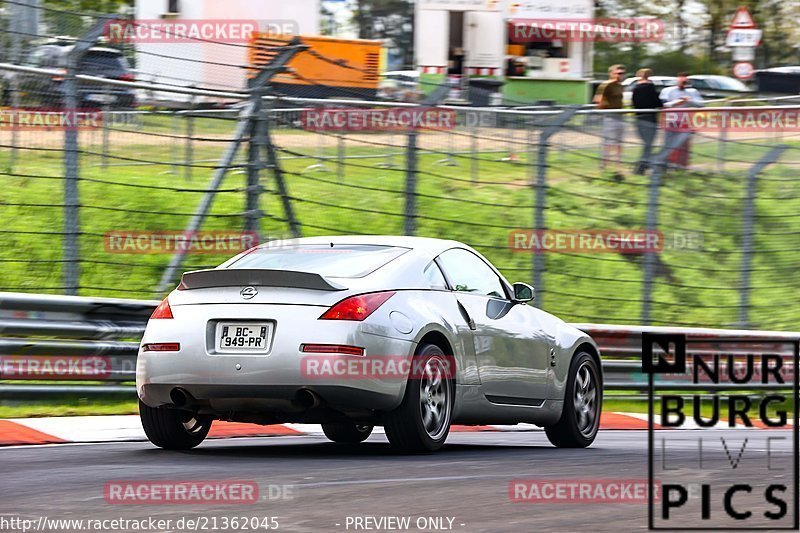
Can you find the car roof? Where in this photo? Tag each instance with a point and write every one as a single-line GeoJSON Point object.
{"type": "Point", "coordinates": [425, 244]}
{"type": "Point", "coordinates": [67, 47]}
{"type": "Point", "coordinates": [632, 79]}
{"type": "Point", "coordinates": [710, 76]}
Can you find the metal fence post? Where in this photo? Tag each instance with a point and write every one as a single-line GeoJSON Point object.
{"type": "Point", "coordinates": [176, 131]}
{"type": "Point", "coordinates": [274, 164]}
{"type": "Point", "coordinates": [722, 140]}
{"type": "Point", "coordinates": [340, 158]}
{"type": "Point", "coordinates": [104, 150]}
{"type": "Point", "coordinates": [71, 207]}
{"type": "Point", "coordinates": [12, 155]}
{"type": "Point", "coordinates": [474, 162]}
{"type": "Point", "coordinates": [71, 274]}
{"type": "Point", "coordinates": [255, 150]}
{"type": "Point", "coordinates": [540, 195]}
{"type": "Point", "coordinates": [410, 223]}
{"type": "Point", "coordinates": [188, 149]}
{"type": "Point", "coordinates": [748, 214]}
{"type": "Point", "coordinates": [659, 164]}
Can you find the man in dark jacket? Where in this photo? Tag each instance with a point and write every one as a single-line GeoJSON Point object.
{"type": "Point", "coordinates": [645, 96]}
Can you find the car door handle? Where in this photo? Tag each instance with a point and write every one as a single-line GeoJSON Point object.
{"type": "Point", "coordinates": [465, 314]}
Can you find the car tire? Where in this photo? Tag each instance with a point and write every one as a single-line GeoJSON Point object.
{"type": "Point", "coordinates": [346, 432]}
{"type": "Point", "coordinates": [583, 401]}
{"type": "Point", "coordinates": [415, 426]}
{"type": "Point", "coordinates": [173, 429]}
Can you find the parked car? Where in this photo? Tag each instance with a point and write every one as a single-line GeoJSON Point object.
{"type": "Point", "coordinates": [400, 85]}
{"type": "Point", "coordinates": [715, 86]}
{"type": "Point", "coordinates": [48, 91]}
{"type": "Point", "coordinates": [249, 341]}
{"type": "Point", "coordinates": [659, 81]}
{"type": "Point", "coordinates": [779, 80]}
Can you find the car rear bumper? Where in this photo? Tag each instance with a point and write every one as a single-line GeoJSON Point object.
{"type": "Point", "coordinates": [271, 381]}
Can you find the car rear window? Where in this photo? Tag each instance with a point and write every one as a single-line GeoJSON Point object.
{"type": "Point", "coordinates": [336, 261]}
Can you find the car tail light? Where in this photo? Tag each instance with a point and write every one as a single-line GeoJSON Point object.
{"type": "Point", "coordinates": [62, 72]}
{"type": "Point", "coordinates": [127, 77]}
{"type": "Point", "coordinates": [357, 307]}
{"type": "Point", "coordinates": [333, 348]}
{"type": "Point", "coordinates": [163, 310]}
{"type": "Point", "coordinates": [162, 347]}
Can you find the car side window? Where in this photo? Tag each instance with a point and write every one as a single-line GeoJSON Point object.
{"type": "Point", "coordinates": [434, 277]}
{"type": "Point", "coordinates": [469, 273]}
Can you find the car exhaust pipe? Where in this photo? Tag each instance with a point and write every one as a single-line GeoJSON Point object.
{"type": "Point", "coordinates": [308, 399]}
{"type": "Point", "coordinates": [180, 397]}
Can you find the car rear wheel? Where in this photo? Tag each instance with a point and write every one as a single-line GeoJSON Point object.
{"type": "Point", "coordinates": [580, 418]}
{"type": "Point", "coordinates": [422, 422]}
{"type": "Point", "coordinates": [173, 429]}
{"type": "Point", "coordinates": [346, 432]}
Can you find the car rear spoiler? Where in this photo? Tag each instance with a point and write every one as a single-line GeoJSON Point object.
{"type": "Point", "coordinates": [241, 277]}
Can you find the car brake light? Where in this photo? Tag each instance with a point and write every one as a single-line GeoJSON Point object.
{"type": "Point", "coordinates": [162, 347]}
{"type": "Point", "coordinates": [333, 348]}
{"type": "Point", "coordinates": [357, 307]}
{"type": "Point", "coordinates": [60, 76]}
{"type": "Point", "coordinates": [163, 310]}
{"type": "Point", "coordinates": [127, 77]}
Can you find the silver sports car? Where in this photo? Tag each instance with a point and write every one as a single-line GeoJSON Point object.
{"type": "Point", "coordinates": [412, 334]}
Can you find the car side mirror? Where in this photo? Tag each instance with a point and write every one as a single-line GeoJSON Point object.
{"type": "Point", "coordinates": [523, 292]}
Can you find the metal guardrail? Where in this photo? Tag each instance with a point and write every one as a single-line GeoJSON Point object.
{"type": "Point", "coordinates": [35, 325]}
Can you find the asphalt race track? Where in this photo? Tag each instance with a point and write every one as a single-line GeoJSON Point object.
{"type": "Point", "coordinates": [466, 482]}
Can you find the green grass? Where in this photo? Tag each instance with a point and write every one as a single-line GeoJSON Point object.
{"type": "Point", "coordinates": [68, 405]}
{"type": "Point", "coordinates": [694, 287]}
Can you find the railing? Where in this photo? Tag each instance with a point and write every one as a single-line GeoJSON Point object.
{"type": "Point", "coordinates": [108, 329]}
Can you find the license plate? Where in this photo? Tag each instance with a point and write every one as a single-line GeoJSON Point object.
{"type": "Point", "coordinates": [238, 337]}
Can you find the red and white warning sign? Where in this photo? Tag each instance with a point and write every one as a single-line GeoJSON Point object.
{"type": "Point", "coordinates": [743, 70]}
{"type": "Point", "coordinates": [742, 19]}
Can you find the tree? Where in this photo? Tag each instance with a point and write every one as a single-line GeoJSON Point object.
{"type": "Point", "coordinates": [392, 20]}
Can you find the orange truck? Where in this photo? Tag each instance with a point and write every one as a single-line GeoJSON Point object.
{"type": "Point", "coordinates": [329, 68]}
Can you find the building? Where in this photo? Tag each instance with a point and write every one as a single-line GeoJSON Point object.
{"type": "Point", "coordinates": [477, 38]}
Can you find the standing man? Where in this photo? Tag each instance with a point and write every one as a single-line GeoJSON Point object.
{"type": "Point", "coordinates": [679, 96]}
{"type": "Point", "coordinates": [645, 96]}
{"type": "Point", "coordinates": [609, 96]}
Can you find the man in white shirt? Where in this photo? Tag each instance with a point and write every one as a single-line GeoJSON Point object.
{"type": "Point", "coordinates": [680, 95]}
